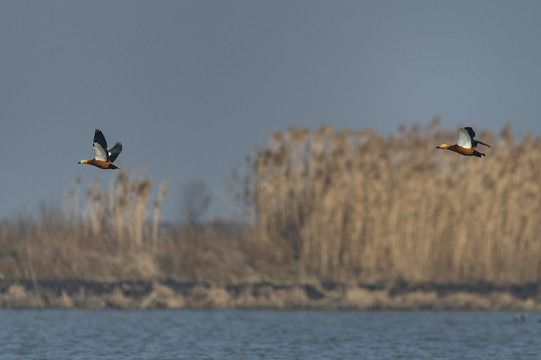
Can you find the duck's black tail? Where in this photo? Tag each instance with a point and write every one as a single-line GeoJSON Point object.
{"type": "Point", "coordinates": [478, 154]}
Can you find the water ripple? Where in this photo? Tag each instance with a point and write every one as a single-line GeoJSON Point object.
{"type": "Point", "coordinates": [241, 334]}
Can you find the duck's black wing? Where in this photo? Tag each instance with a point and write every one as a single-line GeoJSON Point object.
{"type": "Point", "coordinates": [472, 134]}
{"type": "Point", "coordinates": [470, 131]}
{"type": "Point", "coordinates": [115, 151]}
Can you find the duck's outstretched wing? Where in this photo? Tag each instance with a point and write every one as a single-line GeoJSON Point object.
{"type": "Point", "coordinates": [465, 136]}
{"type": "Point", "coordinates": [100, 146]}
{"type": "Point", "coordinates": [472, 135]}
{"type": "Point", "coordinates": [115, 151]}
{"type": "Point", "coordinates": [475, 142]}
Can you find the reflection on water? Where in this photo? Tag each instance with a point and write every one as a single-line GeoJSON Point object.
{"type": "Point", "coordinates": [232, 334]}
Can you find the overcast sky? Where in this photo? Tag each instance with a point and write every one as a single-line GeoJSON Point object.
{"type": "Point", "coordinates": [189, 87]}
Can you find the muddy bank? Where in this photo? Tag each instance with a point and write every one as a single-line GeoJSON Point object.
{"type": "Point", "coordinates": [170, 294]}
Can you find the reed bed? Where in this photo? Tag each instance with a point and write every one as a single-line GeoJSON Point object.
{"type": "Point", "coordinates": [355, 206]}
{"type": "Point", "coordinates": [116, 234]}
{"type": "Point", "coordinates": [322, 205]}
{"type": "Point", "coordinates": [97, 233]}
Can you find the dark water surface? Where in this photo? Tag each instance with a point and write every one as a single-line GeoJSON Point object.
{"type": "Point", "coordinates": [238, 334]}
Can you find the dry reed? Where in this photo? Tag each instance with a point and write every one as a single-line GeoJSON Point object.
{"type": "Point", "coordinates": [97, 234]}
{"type": "Point", "coordinates": [354, 206]}
{"type": "Point", "coordinates": [348, 206]}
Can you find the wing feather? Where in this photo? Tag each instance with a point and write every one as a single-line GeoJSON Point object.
{"type": "Point", "coordinates": [465, 137]}
{"type": "Point", "coordinates": [115, 151]}
{"type": "Point", "coordinates": [480, 142]}
{"type": "Point", "coordinates": [100, 146]}
{"type": "Point", "coordinates": [470, 131]}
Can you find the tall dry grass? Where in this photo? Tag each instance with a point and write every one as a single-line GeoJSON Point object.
{"type": "Point", "coordinates": [116, 234]}
{"type": "Point", "coordinates": [97, 233]}
{"type": "Point", "coordinates": [355, 206]}
{"type": "Point", "coordinates": [347, 206]}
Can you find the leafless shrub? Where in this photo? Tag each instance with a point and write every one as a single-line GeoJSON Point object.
{"type": "Point", "coordinates": [195, 201]}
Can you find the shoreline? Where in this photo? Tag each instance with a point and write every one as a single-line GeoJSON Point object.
{"type": "Point", "coordinates": [170, 294]}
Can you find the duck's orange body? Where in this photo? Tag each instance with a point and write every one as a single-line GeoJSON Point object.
{"type": "Point", "coordinates": [100, 164]}
{"type": "Point", "coordinates": [460, 150]}
{"type": "Point", "coordinates": [103, 158]}
{"type": "Point", "coordinates": [466, 144]}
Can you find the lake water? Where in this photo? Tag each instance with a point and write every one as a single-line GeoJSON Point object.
{"type": "Point", "coordinates": [238, 334]}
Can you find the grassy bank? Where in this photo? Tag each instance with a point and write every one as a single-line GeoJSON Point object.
{"type": "Point", "coordinates": [169, 294]}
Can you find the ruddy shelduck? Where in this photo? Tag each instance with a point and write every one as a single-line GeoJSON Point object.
{"type": "Point", "coordinates": [102, 158]}
{"type": "Point", "coordinates": [466, 143]}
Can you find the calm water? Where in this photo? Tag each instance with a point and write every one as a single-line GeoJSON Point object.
{"type": "Point", "coordinates": [74, 334]}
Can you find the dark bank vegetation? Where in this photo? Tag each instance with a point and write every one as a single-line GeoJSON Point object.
{"type": "Point", "coordinates": [322, 206]}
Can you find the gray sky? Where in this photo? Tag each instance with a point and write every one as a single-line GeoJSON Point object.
{"type": "Point", "coordinates": [189, 87]}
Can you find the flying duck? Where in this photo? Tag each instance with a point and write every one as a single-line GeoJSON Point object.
{"type": "Point", "coordinates": [466, 143]}
{"type": "Point", "coordinates": [102, 158]}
